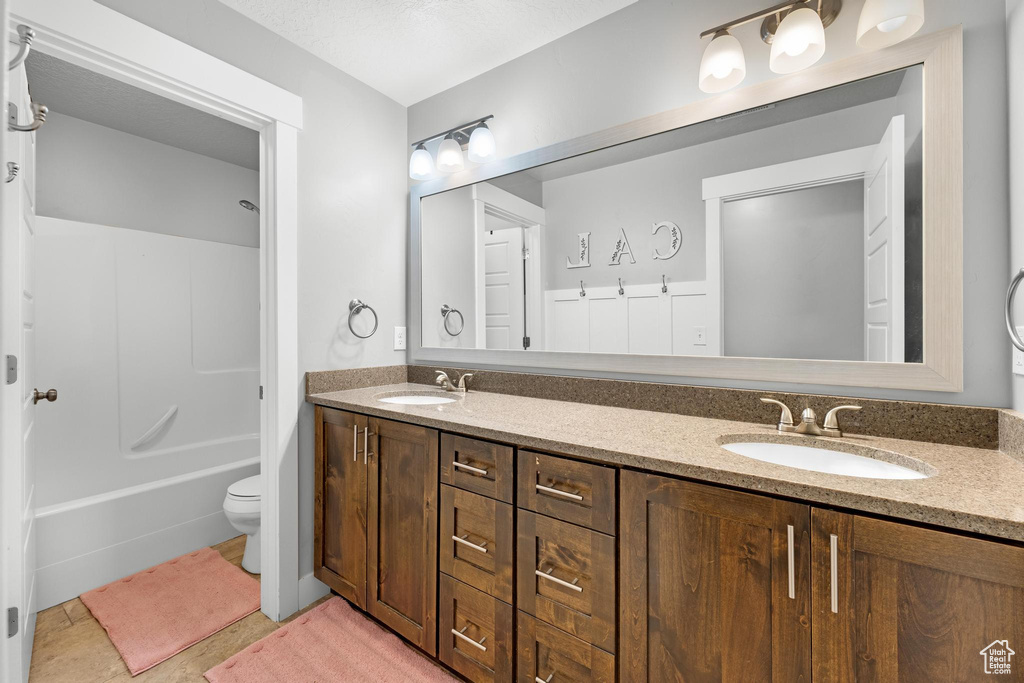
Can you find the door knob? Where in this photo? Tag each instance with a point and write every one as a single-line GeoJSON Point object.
{"type": "Point", "coordinates": [38, 396]}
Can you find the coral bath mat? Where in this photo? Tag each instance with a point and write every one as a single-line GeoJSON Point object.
{"type": "Point", "coordinates": [331, 642]}
{"type": "Point", "coordinates": [155, 614]}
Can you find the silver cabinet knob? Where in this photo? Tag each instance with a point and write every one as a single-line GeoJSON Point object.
{"type": "Point", "coordinates": [38, 396]}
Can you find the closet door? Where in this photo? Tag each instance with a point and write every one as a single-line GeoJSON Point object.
{"type": "Point", "coordinates": [341, 506]}
{"type": "Point", "coordinates": [894, 602]}
{"type": "Point", "coordinates": [714, 585]}
{"type": "Point", "coordinates": [402, 540]}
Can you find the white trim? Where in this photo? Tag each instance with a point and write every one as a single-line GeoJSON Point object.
{"type": "Point", "coordinates": [93, 36]}
{"type": "Point", "coordinates": [310, 590]}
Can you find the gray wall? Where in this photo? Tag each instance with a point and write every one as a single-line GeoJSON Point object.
{"type": "Point", "coordinates": [353, 172]}
{"type": "Point", "coordinates": [95, 174]}
{"type": "Point", "coordinates": [644, 59]}
{"type": "Point", "coordinates": [1015, 56]}
{"type": "Point", "coordinates": [449, 255]}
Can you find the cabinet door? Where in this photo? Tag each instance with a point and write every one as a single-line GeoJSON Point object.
{"type": "Point", "coordinates": [402, 547]}
{"type": "Point", "coordinates": [894, 602]}
{"type": "Point", "coordinates": [714, 584]}
{"type": "Point", "coordinates": [340, 512]}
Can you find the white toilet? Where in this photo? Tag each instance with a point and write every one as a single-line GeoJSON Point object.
{"type": "Point", "coordinates": [242, 506]}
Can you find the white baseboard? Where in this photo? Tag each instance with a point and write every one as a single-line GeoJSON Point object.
{"type": "Point", "coordinates": [311, 590]}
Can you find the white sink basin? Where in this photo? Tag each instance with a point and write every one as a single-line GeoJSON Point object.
{"type": "Point", "coordinates": [418, 399]}
{"type": "Point", "coordinates": [823, 460]}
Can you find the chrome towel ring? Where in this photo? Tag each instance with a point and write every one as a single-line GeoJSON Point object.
{"type": "Point", "coordinates": [1010, 327]}
{"type": "Point", "coordinates": [355, 307]}
{"type": "Point", "coordinates": [446, 311]}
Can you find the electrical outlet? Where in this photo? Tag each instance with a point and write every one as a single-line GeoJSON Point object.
{"type": "Point", "coordinates": [399, 339]}
{"type": "Point", "coordinates": [700, 336]}
{"type": "Point", "coordinates": [1018, 356]}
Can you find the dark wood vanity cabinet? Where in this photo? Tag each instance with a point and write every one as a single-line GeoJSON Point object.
{"type": "Point", "coordinates": [376, 519]}
{"type": "Point", "coordinates": [894, 602]}
{"type": "Point", "coordinates": [714, 584]}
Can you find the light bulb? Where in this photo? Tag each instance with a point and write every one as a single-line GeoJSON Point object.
{"type": "Point", "coordinates": [421, 166]}
{"type": "Point", "coordinates": [449, 155]}
{"type": "Point", "coordinates": [722, 66]}
{"type": "Point", "coordinates": [887, 22]}
{"type": "Point", "coordinates": [798, 43]}
{"type": "Point", "coordinates": [481, 145]}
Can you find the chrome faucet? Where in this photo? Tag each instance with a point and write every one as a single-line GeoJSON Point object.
{"type": "Point", "coordinates": [809, 421]}
{"type": "Point", "coordinates": [445, 382]}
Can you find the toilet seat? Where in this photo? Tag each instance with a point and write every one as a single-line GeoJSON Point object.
{"type": "Point", "coordinates": [245, 489]}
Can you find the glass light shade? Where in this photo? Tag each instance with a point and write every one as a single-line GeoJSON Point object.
{"type": "Point", "coordinates": [723, 65]}
{"type": "Point", "coordinates": [798, 43]}
{"type": "Point", "coordinates": [421, 165]}
{"type": "Point", "coordinates": [449, 155]}
{"type": "Point", "coordinates": [481, 145]}
{"type": "Point", "coordinates": [887, 22]}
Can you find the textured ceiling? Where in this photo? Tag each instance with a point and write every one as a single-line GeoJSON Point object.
{"type": "Point", "coordinates": [83, 94]}
{"type": "Point", "coordinates": [412, 49]}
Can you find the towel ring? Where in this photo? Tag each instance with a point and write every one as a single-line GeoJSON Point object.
{"type": "Point", "coordinates": [1014, 337]}
{"type": "Point", "coordinates": [446, 311]}
{"type": "Point", "coordinates": [354, 308]}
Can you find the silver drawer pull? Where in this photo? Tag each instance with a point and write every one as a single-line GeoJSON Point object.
{"type": "Point", "coordinates": [564, 494]}
{"type": "Point", "coordinates": [474, 643]}
{"type": "Point", "coordinates": [469, 468]}
{"type": "Point", "coordinates": [366, 442]}
{"type": "Point", "coordinates": [463, 541]}
{"type": "Point", "coordinates": [538, 679]}
{"type": "Point", "coordinates": [355, 442]}
{"type": "Point", "coordinates": [833, 553]}
{"type": "Point", "coordinates": [790, 561]}
{"type": "Point", "coordinates": [547, 575]}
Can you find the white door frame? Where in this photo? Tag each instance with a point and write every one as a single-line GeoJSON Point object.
{"type": "Point", "coordinates": [824, 169]}
{"type": "Point", "coordinates": [97, 38]}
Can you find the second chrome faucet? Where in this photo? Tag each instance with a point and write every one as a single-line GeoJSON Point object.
{"type": "Point", "coordinates": [809, 421]}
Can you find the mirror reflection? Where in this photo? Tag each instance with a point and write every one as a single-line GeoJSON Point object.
{"type": "Point", "coordinates": [790, 231]}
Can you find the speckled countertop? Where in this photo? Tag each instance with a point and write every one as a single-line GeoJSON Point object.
{"type": "Point", "coordinates": [971, 489]}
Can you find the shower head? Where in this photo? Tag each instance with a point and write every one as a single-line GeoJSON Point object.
{"type": "Point", "coordinates": [246, 204]}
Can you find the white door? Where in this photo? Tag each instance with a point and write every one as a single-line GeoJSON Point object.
{"type": "Point", "coordinates": [884, 248]}
{"type": "Point", "coordinates": [17, 410]}
{"type": "Point", "coordinates": [504, 293]}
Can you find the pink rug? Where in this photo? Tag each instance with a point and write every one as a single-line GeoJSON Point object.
{"type": "Point", "coordinates": [331, 642]}
{"type": "Point", "coordinates": [155, 614]}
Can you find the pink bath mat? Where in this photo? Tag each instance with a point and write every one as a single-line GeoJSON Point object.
{"type": "Point", "coordinates": [155, 614]}
{"type": "Point", "coordinates": [331, 642]}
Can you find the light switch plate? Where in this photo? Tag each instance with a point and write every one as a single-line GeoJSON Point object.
{"type": "Point", "coordinates": [700, 336]}
{"type": "Point", "coordinates": [1018, 355]}
{"type": "Point", "coordinates": [399, 339]}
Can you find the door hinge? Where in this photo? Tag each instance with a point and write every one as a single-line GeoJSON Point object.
{"type": "Point", "coordinates": [526, 253]}
{"type": "Point", "coordinates": [11, 363]}
{"type": "Point", "coordinates": [12, 622]}
{"type": "Point", "coordinates": [261, 392]}
{"type": "Point", "coordinates": [526, 342]}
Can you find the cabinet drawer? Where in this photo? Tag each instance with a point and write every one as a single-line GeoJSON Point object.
{"type": "Point", "coordinates": [577, 492]}
{"type": "Point", "coordinates": [477, 541]}
{"type": "Point", "coordinates": [547, 654]}
{"type": "Point", "coordinates": [566, 577]}
{"type": "Point", "coordinates": [476, 632]}
{"type": "Point", "coordinates": [478, 466]}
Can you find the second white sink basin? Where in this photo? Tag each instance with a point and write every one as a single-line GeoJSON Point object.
{"type": "Point", "coordinates": [823, 460]}
{"type": "Point", "coordinates": [418, 399]}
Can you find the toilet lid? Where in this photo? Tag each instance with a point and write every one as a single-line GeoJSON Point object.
{"type": "Point", "coordinates": [245, 488]}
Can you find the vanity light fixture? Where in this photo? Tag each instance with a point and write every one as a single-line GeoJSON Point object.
{"type": "Point", "coordinates": [475, 136]}
{"type": "Point", "coordinates": [794, 29]}
{"type": "Point", "coordinates": [887, 22]}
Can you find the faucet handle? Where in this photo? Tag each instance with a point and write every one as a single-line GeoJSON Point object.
{"type": "Point", "coordinates": [463, 379]}
{"type": "Point", "coordinates": [442, 377]}
{"type": "Point", "coordinates": [831, 426]}
{"type": "Point", "coordinates": [786, 419]}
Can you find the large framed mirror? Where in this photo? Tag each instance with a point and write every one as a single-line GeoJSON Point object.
{"type": "Point", "coordinates": [806, 229]}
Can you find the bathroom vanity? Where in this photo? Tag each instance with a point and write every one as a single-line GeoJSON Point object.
{"type": "Point", "coordinates": [526, 539]}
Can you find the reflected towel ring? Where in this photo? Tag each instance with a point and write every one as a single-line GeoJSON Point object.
{"type": "Point", "coordinates": [354, 308]}
{"type": "Point", "coordinates": [446, 311]}
{"type": "Point", "coordinates": [1010, 327]}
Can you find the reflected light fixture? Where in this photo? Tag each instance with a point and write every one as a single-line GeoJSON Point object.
{"type": "Point", "coordinates": [723, 65]}
{"type": "Point", "coordinates": [475, 136]}
{"type": "Point", "coordinates": [886, 22]}
{"type": "Point", "coordinates": [795, 30]}
{"type": "Point", "coordinates": [421, 164]}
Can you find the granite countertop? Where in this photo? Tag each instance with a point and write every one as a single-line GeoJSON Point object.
{"type": "Point", "coordinates": [972, 489]}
